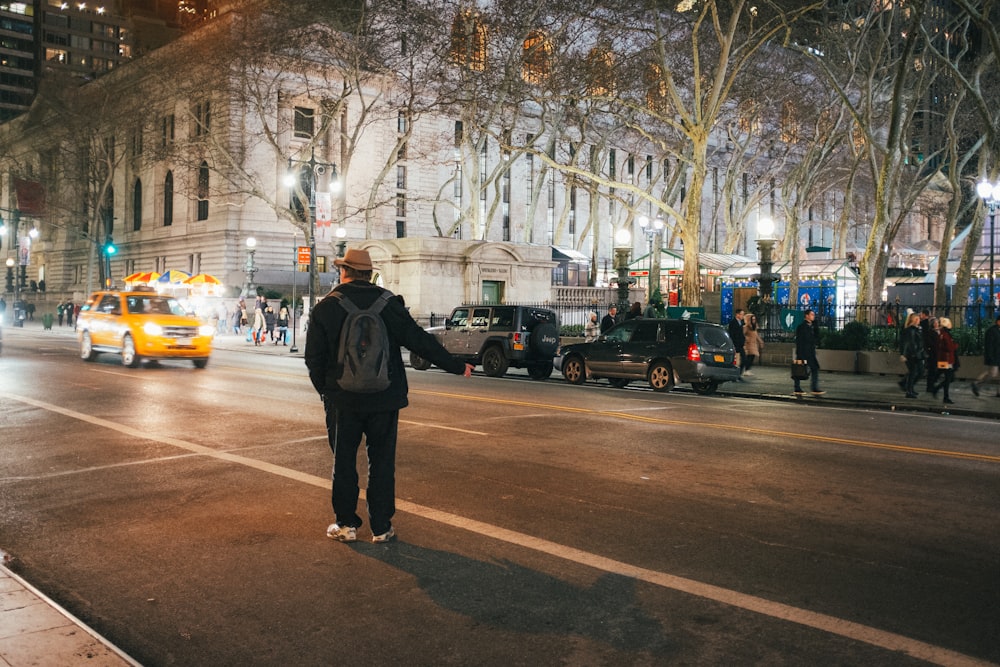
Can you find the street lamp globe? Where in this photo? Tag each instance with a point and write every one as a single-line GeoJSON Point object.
{"type": "Point", "coordinates": [623, 238]}
{"type": "Point", "coordinates": [10, 262]}
{"type": "Point", "coordinates": [988, 191]}
{"type": "Point", "coordinates": [765, 228]}
{"type": "Point", "coordinates": [251, 243]}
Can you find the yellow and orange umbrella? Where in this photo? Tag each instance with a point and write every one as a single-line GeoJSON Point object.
{"type": "Point", "coordinates": [173, 277]}
{"type": "Point", "coordinates": [142, 277]}
{"type": "Point", "coordinates": [203, 279]}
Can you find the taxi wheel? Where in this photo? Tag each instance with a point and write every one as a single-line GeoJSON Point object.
{"type": "Point", "coordinates": [200, 363]}
{"type": "Point", "coordinates": [87, 347]}
{"type": "Point", "coordinates": [130, 357]}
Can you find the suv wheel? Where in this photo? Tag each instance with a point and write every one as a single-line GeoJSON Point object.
{"type": "Point", "coordinates": [540, 371]}
{"type": "Point", "coordinates": [87, 347]}
{"type": "Point", "coordinates": [574, 370]}
{"type": "Point", "coordinates": [661, 376]}
{"type": "Point", "coordinates": [129, 356]}
{"type": "Point", "coordinates": [494, 362]}
{"type": "Point", "coordinates": [418, 363]}
{"type": "Point", "coordinates": [705, 388]}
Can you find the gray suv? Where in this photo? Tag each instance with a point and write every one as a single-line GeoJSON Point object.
{"type": "Point", "coordinates": [498, 337]}
{"type": "Point", "coordinates": [658, 351]}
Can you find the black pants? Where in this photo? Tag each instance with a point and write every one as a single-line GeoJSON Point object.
{"type": "Point", "coordinates": [913, 367]}
{"type": "Point", "coordinates": [344, 432]}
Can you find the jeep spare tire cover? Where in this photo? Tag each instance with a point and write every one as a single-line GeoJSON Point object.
{"type": "Point", "coordinates": [544, 339]}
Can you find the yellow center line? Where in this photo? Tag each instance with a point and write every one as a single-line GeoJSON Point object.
{"type": "Point", "coordinates": [986, 458]}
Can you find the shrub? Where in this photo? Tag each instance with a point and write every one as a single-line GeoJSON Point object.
{"type": "Point", "coordinates": [569, 330]}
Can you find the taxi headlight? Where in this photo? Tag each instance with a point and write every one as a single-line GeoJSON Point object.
{"type": "Point", "coordinates": [206, 330]}
{"type": "Point", "coordinates": [152, 329]}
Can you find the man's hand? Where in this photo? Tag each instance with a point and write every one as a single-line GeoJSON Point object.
{"type": "Point", "coordinates": [468, 370]}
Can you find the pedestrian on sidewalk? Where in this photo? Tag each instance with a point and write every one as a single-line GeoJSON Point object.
{"type": "Point", "coordinates": [590, 329]}
{"type": "Point", "coordinates": [736, 335]}
{"type": "Point", "coordinates": [257, 329]}
{"type": "Point", "coordinates": [270, 321]}
{"type": "Point", "coordinates": [282, 326]}
{"type": "Point", "coordinates": [947, 358]}
{"type": "Point", "coordinates": [609, 320]}
{"type": "Point", "coordinates": [351, 415]}
{"type": "Point", "coordinates": [930, 347]}
{"type": "Point", "coordinates": [911, 349]}
{"type": "Point", "coordinates": [991, 358]}
{"type": "Point", "coordinates": [753, 344]}
{"type": "Point", "coordinates": [805, 350]}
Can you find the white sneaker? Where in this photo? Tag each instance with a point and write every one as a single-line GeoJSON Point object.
{"type": "Point", "coordinates": [748, 373]}
{"type": "Point", "coordinates": [342, 533]}
{"type": "Point", "coordinates": [384, 537]}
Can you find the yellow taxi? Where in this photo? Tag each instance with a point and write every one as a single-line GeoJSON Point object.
{"type": "Point", "coordinates": [141, 324]}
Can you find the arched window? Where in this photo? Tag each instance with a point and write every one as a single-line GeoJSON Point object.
{"type": "Point", "coordinates": [536, 57]}
{"type": "Point", "coordinates": [656, 89]}
{"type": "Point", "coordinates": [168, 199]}
{"type": "Point", "coordinates": [468, 40]}
{"type": "Point", "coordinates": [601, 72]}
{"type": "Point", "coordinates": [203, 191]}
{"type": "Point", "coordinates": [137, 206]}
{"type": "Point", "coordinates": [108, 211]}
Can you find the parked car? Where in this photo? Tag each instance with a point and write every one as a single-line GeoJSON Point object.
{"type": "Point", "coordinates": [662, 352]}
{"type": "Point", "coordinates": [141, 324]}
{"type": "Point", "coordinates": [498, 337]}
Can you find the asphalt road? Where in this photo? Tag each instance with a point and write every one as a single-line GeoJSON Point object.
{"type": "Point", "coordinates": [181, 513]}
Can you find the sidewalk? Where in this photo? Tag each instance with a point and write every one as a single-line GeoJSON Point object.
{"type": "Point", "coordinates": [34, 630]}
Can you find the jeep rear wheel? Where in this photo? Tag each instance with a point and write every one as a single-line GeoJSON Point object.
{"type": "Point", "coordinates": [540, 371]}
{"type": "Point", "coordinates": [661, 376]}
{"type": "Point", "coordinates": [544, 340]}
{"type": "Point", "coordinates": [495, 364]}
{"type": "Point", "coordinates": [418, 363]}
{"type": "Point", "coordinates": [574, 370]}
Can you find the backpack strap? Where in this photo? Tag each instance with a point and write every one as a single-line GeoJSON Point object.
{"type": "Point", "coordinates": [349, 306]}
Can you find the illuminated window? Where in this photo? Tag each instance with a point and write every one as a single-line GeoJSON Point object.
{"type": "Point", "coordinates": [601, 72]}
{"type": "Point", "coordinates": [656, 89]}
{"type": "Point", "coordinates": [747, 121]}
{"type": "Point", "coordinates": [789, 123]}
{"type": "Point", "coordinates": [468, 41]}
{"type": "Point", "coordinates": [536, 58]}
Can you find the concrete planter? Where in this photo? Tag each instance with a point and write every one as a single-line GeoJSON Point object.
{"type": "Point", "coordinates": [843, 361]}
{"type": "Point", "coordinates": [880, 363]}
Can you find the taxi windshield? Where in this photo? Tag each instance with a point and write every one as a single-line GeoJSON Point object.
{"type": "Point", "coordinates": [153, 305]}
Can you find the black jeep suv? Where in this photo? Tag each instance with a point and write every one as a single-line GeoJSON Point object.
{"type": "Point", "coordinates": [498, 337]}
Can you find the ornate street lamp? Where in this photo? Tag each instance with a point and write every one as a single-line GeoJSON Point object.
{"type": "Point", "coordinates": [311, 169]}
{"type": "Point", "coordinates": [766, 278]}
{"type": "Point", "coordinates": [654, 232]}
{"type": "Point", "coordinates": [251, 268]}
{"type": "Point", "coordinates": [990, 193]}
{"type": "Point", "coordinates": [623, 247]}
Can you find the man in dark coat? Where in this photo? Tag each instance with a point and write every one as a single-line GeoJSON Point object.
{"type": "Point", "coordinates": [608, 320]}
{"type": "Point", "coordinates": [805, 350]}
{"type": "Point", "coordinates": [738, 337]}
{"type": "Point", "coordinates": [991, 357]}
{"type": "Point", "coordinates": [351, 415]}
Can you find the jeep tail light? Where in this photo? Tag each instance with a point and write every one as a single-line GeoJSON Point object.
{"type": "Point", "coordinates": [694, 354]}
{"type": "Point", "coordinates": [518, 337]}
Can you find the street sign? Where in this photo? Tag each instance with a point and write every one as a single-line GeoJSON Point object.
{"type": "Point", "coordinates": [304, 254]}
{"type": "Point", "coordinates": [643, 273]}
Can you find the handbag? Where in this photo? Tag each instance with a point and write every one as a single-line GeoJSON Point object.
{"type": "Point", "coordinates": [800, 370]}
{"type": "Point", "coordinates": [943, 365]}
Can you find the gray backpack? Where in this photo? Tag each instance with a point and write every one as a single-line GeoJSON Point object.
{"type": "Point", "coordinates": [364, 347]}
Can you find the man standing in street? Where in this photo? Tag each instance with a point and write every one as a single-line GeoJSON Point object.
{"type": "Point", "coordinates": [805, 350]}
{"type": "Point", "coordinates": [991, 357]}
{"type": "Point", "coordinates": [738, 337]}
{"type": "Point", "coordinates": [375, 415]}
{"type": "Point", "coordinates": [608, 320]}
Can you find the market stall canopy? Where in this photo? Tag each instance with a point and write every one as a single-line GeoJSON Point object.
{"type": "Point", "coordinates": [173, 277]}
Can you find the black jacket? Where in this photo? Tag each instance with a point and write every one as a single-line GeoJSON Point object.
{"type": "Point", "coordinates": [912, 344]}
{"type": "Point", "coordinates": [323, 339]}
{"type": "Point", "coordinates": [736, 334]}
{"type": "Point", "coordinates": [991, 346]}
{"type": "Point", "coordinates": [805, 342]}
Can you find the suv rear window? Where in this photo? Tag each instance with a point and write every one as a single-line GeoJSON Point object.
{"type": "Point", "coordinates": [715, 337]}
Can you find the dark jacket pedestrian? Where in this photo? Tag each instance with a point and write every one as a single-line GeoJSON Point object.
{"type": "Point", "coordinates": [634, 312]}
{"type": "Point", "coordinates": [737, 336]}
{"type": "Point", "coordinates": [991, 358]}
{"type": "Point", "coordinates": [608, 320]}
{"type": "Point", "coordinates": [947, 359]}
{"type": "Point", "coordinates": [806, 338]}
{"type": "Point", "coordinates": [270, 321]}
{"type": "Point", "coordinates": [911, 348]}
{"type": "Point", "coordinates": [374, 416]}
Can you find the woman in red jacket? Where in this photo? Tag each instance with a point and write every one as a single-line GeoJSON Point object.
{"type": "Point", "coordinates": [947, 358]}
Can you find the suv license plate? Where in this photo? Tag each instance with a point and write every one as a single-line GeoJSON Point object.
{"type": "Point", "coordinates": [720, 359]}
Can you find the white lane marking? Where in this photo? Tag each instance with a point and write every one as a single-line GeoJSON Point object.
{"type": "Point", "coordinates": [446, 428]}
{"type": "Point", "coordinates": [824, 622]}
